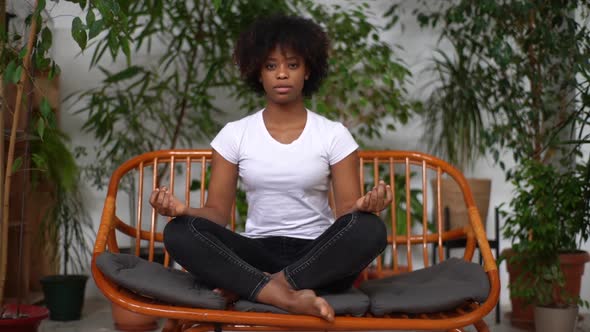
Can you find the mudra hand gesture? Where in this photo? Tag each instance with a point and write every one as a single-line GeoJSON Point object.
{"type": "Point", "coordinates": [166, 204]}
{"type": "Point", "coordinates": [375, 200]}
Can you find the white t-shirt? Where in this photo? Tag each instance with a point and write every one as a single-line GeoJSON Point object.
{"type": "Point", "coordinates": [286, 184]}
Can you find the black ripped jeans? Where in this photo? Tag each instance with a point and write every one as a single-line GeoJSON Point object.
{"type": "Point", "coordinates": [221, 258]}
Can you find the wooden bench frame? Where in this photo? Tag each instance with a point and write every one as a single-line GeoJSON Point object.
{"type": "Point", "coordinates": [193, 319]}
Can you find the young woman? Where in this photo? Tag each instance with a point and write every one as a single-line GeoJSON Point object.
{"type": "Point", "coordinates": [287, 157]}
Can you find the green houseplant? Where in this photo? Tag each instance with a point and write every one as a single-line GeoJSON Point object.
{"type": "Point", "coordinates": [46, 162]}
{"type": "Point", "coordinates": [452, 118]}
{"type": "Point", "coordinates": [64, 293]}
{"type": "Point", "coordinates": [453, 122]}
{"type": "Point", "coordinates": [16, 65]}
{"type": "Point", "coordinates": [526, 64]}
{"type": "Point", "coordinates": [550, 219]}
{"type": "Point", "coordinates": [28, 123]}
{"type": "Point", "coordinates": [68, 229]}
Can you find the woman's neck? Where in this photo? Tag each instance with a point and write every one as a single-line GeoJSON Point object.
{"type": "Point", "coordinates": [285, 113]}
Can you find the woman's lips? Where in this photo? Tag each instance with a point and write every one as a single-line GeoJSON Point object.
{"type": "Point", "coordinates": [282, 88]}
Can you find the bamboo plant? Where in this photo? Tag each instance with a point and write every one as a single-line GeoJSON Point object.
{"type": "Point", "coordinates": [7, 175]}
{"type": "Point", "coordinates": [19, 65]}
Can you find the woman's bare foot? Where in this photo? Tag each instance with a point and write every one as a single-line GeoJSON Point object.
{"type": "Point", "coordinates": [278, 292]}
{"type": "Point", "coordinates": [280, 277]}
{"type": "Point", "coordinates": [307, 302]}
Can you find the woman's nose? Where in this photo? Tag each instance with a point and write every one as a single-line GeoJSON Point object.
{"type": "Point", "coordinates": [282, 73]}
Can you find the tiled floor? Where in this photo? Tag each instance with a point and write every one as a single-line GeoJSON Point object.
{"type": "Point", "coordinates": [97, 318]}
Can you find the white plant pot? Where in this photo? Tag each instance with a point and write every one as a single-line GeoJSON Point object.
{"type": "Point", "coordinates": [550, 319]}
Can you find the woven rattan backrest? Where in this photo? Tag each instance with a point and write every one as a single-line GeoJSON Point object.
{"type": "Point", "coordinates": [413, 230]}
{"type": "Point", "coordinates": [414, 225]}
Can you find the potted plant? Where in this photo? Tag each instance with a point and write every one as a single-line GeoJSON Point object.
{"type": "Point", "coordinates": [526, 64]}
{"type": "Point", "coordinates": [33, 124]}
{"type": "Point", "coordinates": [453, 123]}
{"type": "Point", "coordinates": [68, 227]}
{"type": "Point", "coordinates": [18, 316]}
{"type": "Point", "coordinates": [548, 222]}
{"type": "Point", "coordinates": [64, 293]}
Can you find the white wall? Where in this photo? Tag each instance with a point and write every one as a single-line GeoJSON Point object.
{"type": "Point", "coordinates": [418, 47]}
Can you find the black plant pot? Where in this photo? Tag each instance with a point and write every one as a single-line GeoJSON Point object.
{"type": "Point", "coordinates": [64, 296]}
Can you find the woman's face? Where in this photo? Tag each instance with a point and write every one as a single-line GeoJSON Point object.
{"type": "Point", "coordinates": [283, 75]}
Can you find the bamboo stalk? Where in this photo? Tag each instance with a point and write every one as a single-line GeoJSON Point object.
{"type": "Point", "coordinates": [10, 156]}
{"type": "Point", "coordinates": [3, 230]}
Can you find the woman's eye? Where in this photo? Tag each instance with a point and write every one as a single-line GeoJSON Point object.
{"type": "Point", "coordinates": [270, 66]}
{"type": "Point", "coordinates": [293, 65]}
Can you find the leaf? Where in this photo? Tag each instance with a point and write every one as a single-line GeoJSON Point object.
{"type": "Point", "coordinates": [78, 32]}
{"type": "Point", "coordinates": [124, 74]}
{"type": "Point", "coordinates": [40, 7]}
{"type": "Point", "coordinates": [54, 70]}
{"type": "Point", "coordinates": [9, 71]}
{"type": "Point", "coordinates": [217, 4]}
{"type": "Point", "coordinates": [113, 44]}
{"type": "Point", "coordinates": [22, 53]}
{"type": "Point", "coordinates": [40, 127]}
{"type": "Point", "coordinates": [45, 108]}
{"type": "Point", "coordinates": [17, 74]}
{"type": "Point", "coordinates": [46, 38]}
{"type": "Point", "coordinates": [42, 62]}
{"type": "Point", "coordinates": [95, 28]}
{"type": "Point", "coordinates": [124, 42]}
{"type": "Point", "coordinates": [17, 164]}
{"type": "Point", "coordinates": [38, 161]}
{"type": "Point", "coordinates": [90, 18]}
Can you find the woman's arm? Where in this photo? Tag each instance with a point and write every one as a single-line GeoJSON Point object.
{"type": "Point", "coordinates": [220, 195]}
{"type": "Point", "coordinates": [347, 192]}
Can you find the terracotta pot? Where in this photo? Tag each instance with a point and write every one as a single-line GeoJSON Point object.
{"type": "Point", "coordinates": [32, 316]}
{"type": "Point", "coordinates": [126, 320]}
{"type": "Point", "coordinates": [572, 265]}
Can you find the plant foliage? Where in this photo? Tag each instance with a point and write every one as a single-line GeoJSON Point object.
{"type": "Point", "coordinates": [174, 100]}
{"type": "Point", "coordinates": [519, 71]}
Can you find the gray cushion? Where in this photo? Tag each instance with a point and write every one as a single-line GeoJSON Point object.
{"type": "Point", "coordinates": [441, 287]}
{"type": "Point", "coordinates": [156, 281]}
{"type": "Point", "coordinates": [351, 302]}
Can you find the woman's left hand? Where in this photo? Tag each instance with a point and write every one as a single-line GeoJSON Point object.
{"type": "Point", "coordinates": [375, 200]}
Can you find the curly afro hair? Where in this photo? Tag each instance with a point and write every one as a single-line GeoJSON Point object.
{"type": "Point", "coordinates": [302, 36]}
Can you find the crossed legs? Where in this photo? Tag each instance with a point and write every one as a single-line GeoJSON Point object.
{"type": "Point", "coordinates": [224, 259]}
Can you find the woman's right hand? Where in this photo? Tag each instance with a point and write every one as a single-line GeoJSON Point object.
{"type": "Point", "coordinates": [166, 204]}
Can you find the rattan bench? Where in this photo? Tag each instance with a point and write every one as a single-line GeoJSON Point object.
{"type": "Point", "coordinates": [185, 169]}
